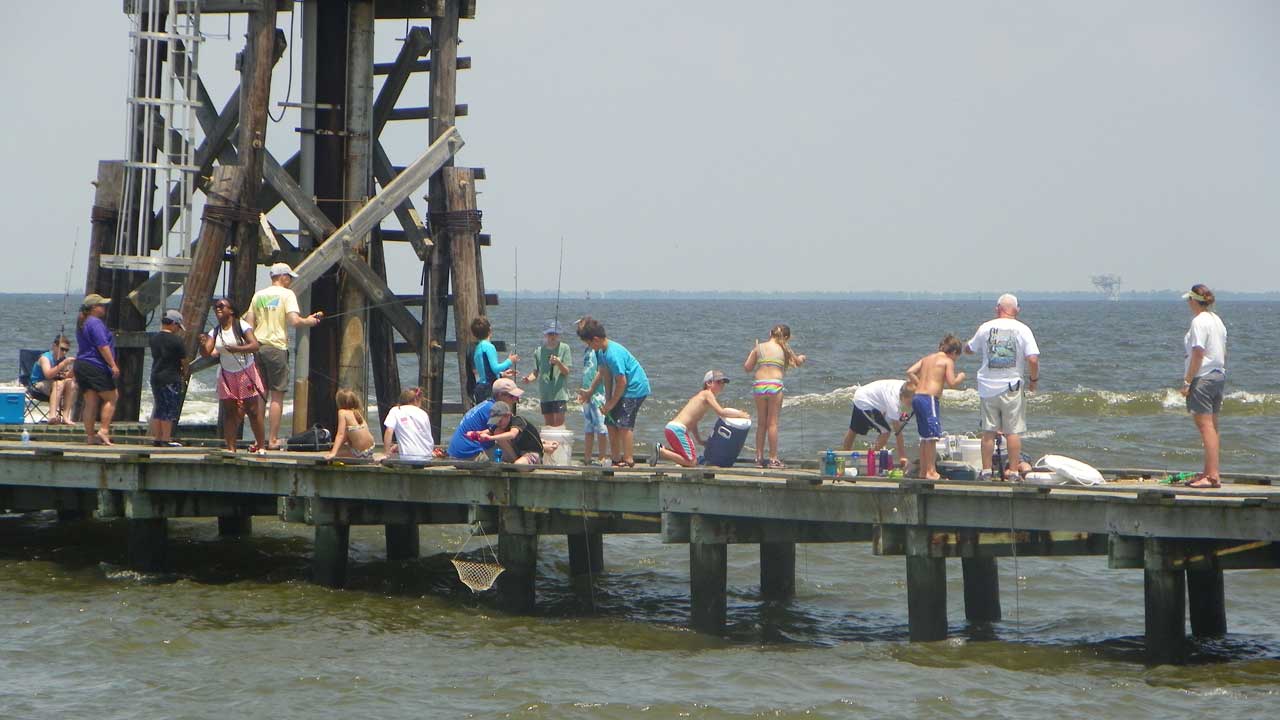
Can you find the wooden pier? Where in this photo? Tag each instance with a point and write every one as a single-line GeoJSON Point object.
{"type": "Point", "coordinates": [1182, 539]}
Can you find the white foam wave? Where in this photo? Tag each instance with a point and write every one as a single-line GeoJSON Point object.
{"type": "Point", "coordinates": [839, 395]}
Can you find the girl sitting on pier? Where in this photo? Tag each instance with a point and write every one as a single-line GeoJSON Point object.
{"type": "Point", "coordinates": [353, 439]}
{"type": "Point", "coordinates": [240, 389]}
{"type": "Point", "coordinates": [769, 361]}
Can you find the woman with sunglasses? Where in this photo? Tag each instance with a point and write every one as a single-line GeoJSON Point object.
{"type": "Point", "coordinates": [240, 388]}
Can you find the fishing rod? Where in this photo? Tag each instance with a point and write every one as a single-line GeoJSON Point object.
{"type": "Point", "coordinates": [515, 305]}
{"type": "Point", "coordinates": [66, 291]}
{"type": "Point", "coordinates": [559, 277]}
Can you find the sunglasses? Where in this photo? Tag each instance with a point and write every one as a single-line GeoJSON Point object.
{"type": "Point", "coordinates": [221, 306]}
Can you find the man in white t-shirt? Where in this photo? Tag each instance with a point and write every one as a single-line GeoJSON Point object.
{"type": "Point", "coordinates": [408, 429]}
{"type": "Point", "coordinates": [878, 406]}
{"type": "Point", "coordinates": [272, 311]}
{"type": "Point", "coordinates": [1009, 352]}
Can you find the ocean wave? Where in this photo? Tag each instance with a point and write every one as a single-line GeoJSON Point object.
{"type": "Point", "coordinates": [1081, 400]}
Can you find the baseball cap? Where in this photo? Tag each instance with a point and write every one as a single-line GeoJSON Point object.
{"type": "Point", "coordinates": [172, 316]}
{"type": "Point", "coordinates": [508, 386]}
{"type": "Point", "coordinates": [714, 375]}
{"type": "Point", "coordinates": [94, 299]}
{"type": "Point", "coordinates": [281, 268]}
{"type": "Point", "coordinates": [499, 410]}
{"type": "Point", "coordinates": [552, 328]}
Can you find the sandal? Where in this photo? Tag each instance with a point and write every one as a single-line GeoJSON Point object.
{"type": "Point", "coordinates": [1204, 482]}
{"type": "Point", "coordinates": [255, 450]}
{"type": "Point", "coordinates": [776, 464]}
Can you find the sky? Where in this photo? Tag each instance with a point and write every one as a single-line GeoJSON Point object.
{"type": "Point", "coordinates": [728, 145]}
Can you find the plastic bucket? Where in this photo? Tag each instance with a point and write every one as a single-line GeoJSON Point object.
{"type": "Point", "coordinates": [971, 452]}
{"type": "Point", "coordinates": [563, 455]}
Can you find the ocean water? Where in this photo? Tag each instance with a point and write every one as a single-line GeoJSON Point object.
{"type": "Point", "coordinates": [235, 628]}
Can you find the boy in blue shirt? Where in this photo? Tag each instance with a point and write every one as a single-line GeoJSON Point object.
{"type": "Point", "coordinates": [466, 443]}
{"type": "Point", "coordinates": [626, 387]}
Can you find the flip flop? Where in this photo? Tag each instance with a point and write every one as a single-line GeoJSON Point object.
{"type": "Point", "coordinates": [776, 464]}
{"type": "Point", "coordinates": [1203, 482]}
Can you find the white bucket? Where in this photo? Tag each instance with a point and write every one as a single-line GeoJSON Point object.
{"type": "Point", "coordinates": [563, 455]}
{"type": "Point", "coordinates": [971, 452]}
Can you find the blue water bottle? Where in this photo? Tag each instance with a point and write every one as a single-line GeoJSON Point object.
{"type": "Point", "coordinates": [829, 463]}
{"type": "Point", "coordinates": [497, 455]}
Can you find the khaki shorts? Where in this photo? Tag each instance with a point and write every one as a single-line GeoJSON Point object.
{"type": "Point", "coordinates": [1005, 413]}
{"type": "Point", "coordinates": [274, 365]}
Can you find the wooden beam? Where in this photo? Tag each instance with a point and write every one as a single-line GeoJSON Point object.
{"type": "Point", "coordinates": [216, 6]}
{"type": "Point", "coordinates": [390, 235]}
{"type": "Point", "coordinates": [418, 9]}
{"type": "Point", "coordinates": [460, 197]}
{"type": "Point", "coordinates": [378, 294]}
{"type": "Point", "coordinates": [367, 217]}
{"type": "Point", "coordinates": [420, 66]}
{"type": "Point", "coordinates": [422, 113]}
{"type": "Point", "coordinates": [197, 292]}
{"type": "Point", "coordinates": [415, 45]}
{"type": "Point", "coordinates": [406, 213]}
{"type": "Point", "coordinates": [105, 218]}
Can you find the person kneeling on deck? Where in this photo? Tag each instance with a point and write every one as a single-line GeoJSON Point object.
{"type": "Point", "coordinates": [521, 442]}
{"type": "Point", "coordinates": [54, 375]}
{"type": "Point", "coordinates": [466, 443]}
{"type": "Point", "coordinates": [408, 429]}
{"type": "Point", "coordinates": [682, 434]}
{"type": "Point", "coordinates": [272, 311]}
{"type": "Point", "coordinates": [873, 405]}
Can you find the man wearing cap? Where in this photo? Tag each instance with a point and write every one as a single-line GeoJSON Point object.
{"type": "Point", "coordinates": [681, 434]}
{"type": "Point", "coordinates": [521, 442]}
{"type": "Point", "coordinates": [272, 311]}
{"type": "Point", "coordinates": [552, 363]}
{"type": "Point", "coordinates": [96, 369]}
{"type": "Point", "coordinates": [1008, 348]}
{"type": "Point", "coordinates": [467, 442]}
{"type": "Point", "coordinates": [168, 370]}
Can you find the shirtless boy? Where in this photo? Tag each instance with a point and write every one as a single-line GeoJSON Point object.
{"type": "Point", "coordinates": [682, 432]}
{"type": "Point", "coordinates": [931, 374]}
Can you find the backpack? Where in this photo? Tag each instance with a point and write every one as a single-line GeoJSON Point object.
{"type": "Point", "coordinates": [314, 440]}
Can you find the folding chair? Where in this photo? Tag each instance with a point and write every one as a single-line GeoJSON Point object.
{"type": "Point", "coordinates": [26, 359]}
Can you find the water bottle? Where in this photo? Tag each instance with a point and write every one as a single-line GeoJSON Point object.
{"type": "Point", "coordinates": [829, 463]}
{"type": "Point", "coordinates": [871, 463]}
{"type": "Point", "coordinates": [26, 437]}
{"type": "Point", "coordinates": [886, 461]}
{"type": "Point", "coordinates": [497, 455]}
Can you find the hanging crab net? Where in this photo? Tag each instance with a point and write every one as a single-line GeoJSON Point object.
{"type": "Point", "coordinates": [478, 575]}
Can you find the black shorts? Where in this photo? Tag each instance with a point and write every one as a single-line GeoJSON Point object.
{"type": "Point", "coordinates": [92, 377]}
{"type": "Point", "coordinates": [623, 415]}
{"type": "Point", "coordinates": [862, 422]}
{"type": "Point", "coordinates": [553, 406]}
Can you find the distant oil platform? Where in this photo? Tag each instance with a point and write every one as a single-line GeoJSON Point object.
{"type": "Point", "coordinates": [1108, 285]}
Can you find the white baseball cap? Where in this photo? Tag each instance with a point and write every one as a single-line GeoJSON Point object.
{"type": "Point", "coordinates": [282, 269]}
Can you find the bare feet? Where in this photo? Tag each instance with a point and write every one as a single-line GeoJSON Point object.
{"type": "Point", "coordinates": [932, 476]}
{"type": "Point", "coordinates": [104, 438]}
{"type": "Point", "coordinates": [1204, 482]}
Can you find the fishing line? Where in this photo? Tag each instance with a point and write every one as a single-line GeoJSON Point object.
{"type": "Point", "coordinates": [559, 277]}
{"type": "Point", "coordinates": [515, 305]}
{"type": "Point", "coordinates": [66, 291]}
{"type": "Point", "coordinates": [1017, 589]}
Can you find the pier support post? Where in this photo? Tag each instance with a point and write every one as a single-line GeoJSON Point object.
{"type": "Point", "coordinates": [518, 553]}
{"type": "Point", "coordinates": [708, 576]}
{"type": "Point", "coordinates": [981, 589]}
{"type": "Point", "coordinates": [402, 541]}
{"type": "Point", "coordinates": [777, 570]}
{"type": "Point", "coordinates": [235, 525]}
{"type": "Point", "coordinates": [586, 554]}
{"type": "Point", "coordinates": [1207, 598]}
{"type": "Point", "coordinates": [148, 544]}
{"type": "Point", "coordinates": [1165, 598]}
{"type": "Point", "coordinates": [926, 589]}
{"type": "Point", "coordinates": [329, 564]}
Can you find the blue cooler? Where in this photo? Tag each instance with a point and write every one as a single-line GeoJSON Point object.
{"type": "Point", "coordinates": [13, 405]}
{"type": "Point", "coordinates": [726, 441]}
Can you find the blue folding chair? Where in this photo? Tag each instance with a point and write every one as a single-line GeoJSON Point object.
{"type": "Point", "coordinates": [26, 359]}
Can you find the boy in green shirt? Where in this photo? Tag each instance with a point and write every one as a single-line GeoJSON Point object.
{"type": "Point", "coordinates": [551, 366]}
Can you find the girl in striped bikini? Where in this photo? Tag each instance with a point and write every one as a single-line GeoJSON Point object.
{"type": "Point", "coordinates": [769, 361]}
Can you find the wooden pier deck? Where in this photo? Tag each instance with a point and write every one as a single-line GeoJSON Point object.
{"type": "Point", "coordinates": [1183, 539]}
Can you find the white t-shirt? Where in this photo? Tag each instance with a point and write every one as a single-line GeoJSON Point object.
{"type": "Point", "coordinates": [231, 362]}
{"type": "Point", "coordinates": [412, 428]}
{"type": "Point", "coordinates": [1005, 345]}
{"type": "Point", "coordinates": [1207, 332]}
{"type": "Point", "coordinates": [880, 395]}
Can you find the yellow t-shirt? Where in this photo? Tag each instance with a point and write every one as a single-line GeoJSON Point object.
{"type": "Point", "coordinates": [271, 307]}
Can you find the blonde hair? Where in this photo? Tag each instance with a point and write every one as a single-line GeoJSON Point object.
{"type": "Point", "coordinates": [412, 396]}
{"type": "Point", "coordinates": [347, 400]}
{"type": "Point", "coordinates": [781, 334]}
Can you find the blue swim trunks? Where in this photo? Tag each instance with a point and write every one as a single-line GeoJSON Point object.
{"type": "Point", "coordinates": [928, 416]}
{"type": "Point", "coordinates": [593, 419]}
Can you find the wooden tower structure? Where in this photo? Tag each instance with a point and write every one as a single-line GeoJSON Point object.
{"type": "Point", "coordinates": [340, 185]}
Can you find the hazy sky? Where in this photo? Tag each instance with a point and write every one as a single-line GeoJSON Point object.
{"type": "Point", "coordinates": [721, 144]}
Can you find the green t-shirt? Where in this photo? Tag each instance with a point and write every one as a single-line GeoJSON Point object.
{"type": "Point", "coordinates": [553, 384]}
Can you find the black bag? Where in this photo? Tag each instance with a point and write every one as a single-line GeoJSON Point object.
{"type": "Point", "coordinates": [314, 440]}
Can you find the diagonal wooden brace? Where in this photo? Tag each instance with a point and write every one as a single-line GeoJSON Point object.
{"type": "Point", "coordinates": [381, 297]}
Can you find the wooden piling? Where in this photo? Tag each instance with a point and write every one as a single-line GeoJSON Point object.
{"type": "Point", "coordinates": [235, 525]}
{"type": "Point", "coordinates": [329, 563]}
{"type": "Point", "coordinates": [518, 553]}
{"type": "Point", "coordinates": [777, 570]}
{"type": "Point", "coordinates": [1206, 597]}
{"type": "Point", "coordinates": [1165, 595]}
{"type": "Point", "coordinates": [708, 577]}
{"type": "Point", "coordinates": [926, 589]}
{"type": "Point", "coordinates": [402, 541]}
{"type": "Point", "coordinates": [460, 201]}
{"type": "Point", "coordinates": [981, 589]}
{"type": "Point", "coordinates": [216, 230]}
{"type": "Point", "coordinates": [586, 554]}
{"type": "Point", "coordinates": [105, 219]}
{"type": "Point", "coordinates": [148, 544]}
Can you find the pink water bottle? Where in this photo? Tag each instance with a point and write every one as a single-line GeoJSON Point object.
{"type": "Point", "coordinates": [871, 463]}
